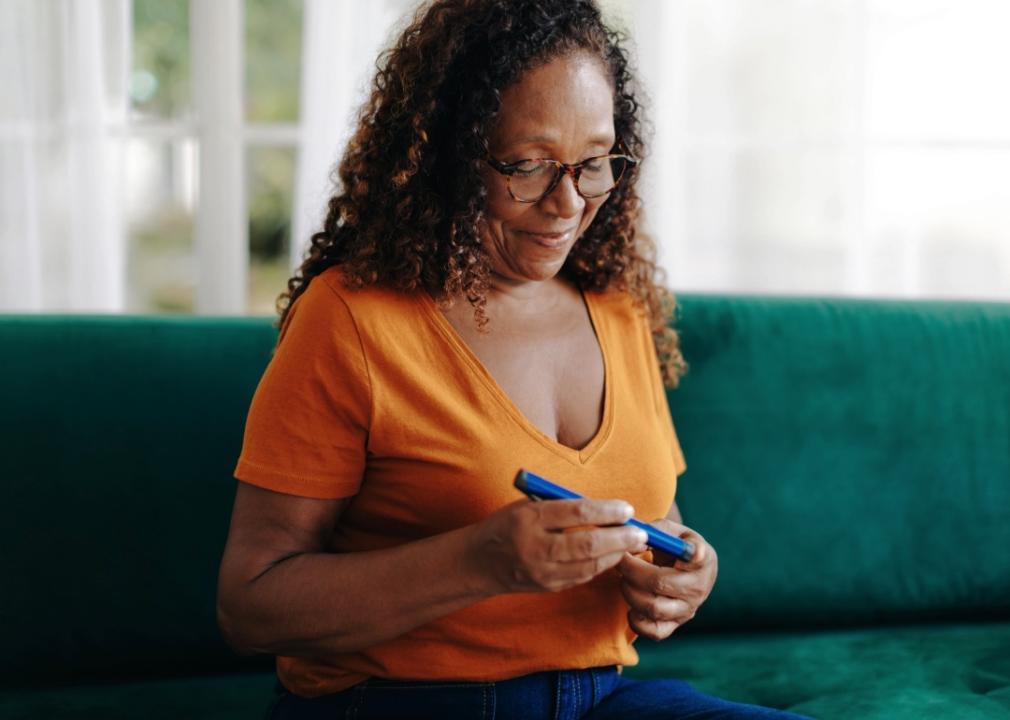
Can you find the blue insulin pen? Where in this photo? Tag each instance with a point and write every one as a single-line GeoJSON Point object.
{"type": "Point", "coordinates": [540, 489]}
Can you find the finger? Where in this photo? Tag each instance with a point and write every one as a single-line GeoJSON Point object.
{"type": "Point", "coordinates": [560, 514]}
{"type": "Point", "coordinates": [670, 527]}
{"type": "Point", "coordinates": [575, 573]}
{"type": "Point", "coordinates": [656, 579]}
{"type": "Point", "coordinates": [657, 607]}
{"type": "Point", "coordinates": [590, 544]}
{"type": "Point", "coordinates": [651, 629]}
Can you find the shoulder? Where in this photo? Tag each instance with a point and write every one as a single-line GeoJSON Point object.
{"type": "Point", "coordinates": [363, 298]}
{"type": "Point", "coordinates": [376, 313]}
{"type": "Point", "coordinates": [328, 294]}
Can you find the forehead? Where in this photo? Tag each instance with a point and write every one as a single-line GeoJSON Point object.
{"type": "Point", "coordinates": [564, 103]}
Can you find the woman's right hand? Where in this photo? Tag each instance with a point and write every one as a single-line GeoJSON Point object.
{"type": "Point", "coordinates": [524, 547]}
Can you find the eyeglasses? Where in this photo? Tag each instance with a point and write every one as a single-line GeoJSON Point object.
{"type": "Point", "coordinates": [529, 181]}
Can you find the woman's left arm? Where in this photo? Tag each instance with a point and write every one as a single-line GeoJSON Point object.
{"type": "Point", "coordinates": [665, 595]}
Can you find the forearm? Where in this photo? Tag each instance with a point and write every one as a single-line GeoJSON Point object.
{"type": "Point", "coordinates": [323, 603]}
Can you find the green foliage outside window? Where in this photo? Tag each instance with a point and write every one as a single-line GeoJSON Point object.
{"type": "Point", "coordinates": [273, 51]}
{"type": "Point", "coordinates": [160, 81]}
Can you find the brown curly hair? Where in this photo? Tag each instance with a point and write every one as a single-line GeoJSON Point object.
{"type": "Point", "coordinates": [411, 198]}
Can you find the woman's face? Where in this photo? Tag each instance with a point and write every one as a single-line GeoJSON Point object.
{"type": "Point", "coordinates": [563, 110]}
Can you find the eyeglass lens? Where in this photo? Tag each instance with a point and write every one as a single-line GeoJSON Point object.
{"type": "Point", "coordinates": [533, 178]}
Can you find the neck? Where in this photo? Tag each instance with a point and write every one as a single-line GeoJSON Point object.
{"type": "Point", "coordinates": [522, 294]}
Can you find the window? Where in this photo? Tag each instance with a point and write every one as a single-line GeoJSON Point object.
{"type": "Point", "coordinates": [164, 170]}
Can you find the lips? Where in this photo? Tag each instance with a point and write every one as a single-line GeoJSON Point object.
{"type": "Point", "coordinates": [548, 240]}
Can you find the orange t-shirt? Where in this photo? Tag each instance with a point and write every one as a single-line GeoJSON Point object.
{"type": "Point", "coordinates": [372, 394]}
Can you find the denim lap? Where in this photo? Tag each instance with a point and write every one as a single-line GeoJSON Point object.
{"type": "Point", "coordinates": [675, 700]}
{"type": "Point", "coordinates": [591, 694]}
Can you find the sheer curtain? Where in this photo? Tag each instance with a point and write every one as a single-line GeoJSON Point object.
{"type": "Point", "coordinates": [340, 42]}
{"type": "Point", "coordinates": [836, 147]}
{"type": "Point", "coordinates": [62, 120]}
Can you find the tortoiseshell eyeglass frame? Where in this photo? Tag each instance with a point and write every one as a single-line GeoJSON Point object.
{"type": "Point", "coordinates": [562, 169]}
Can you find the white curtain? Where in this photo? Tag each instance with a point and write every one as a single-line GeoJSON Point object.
{"type": "Point", "coordinates": [828, 147]}
{"type": "Point", "coordinates": [340, 42]}
{"type": "Point", "coordinates": [64, 69]}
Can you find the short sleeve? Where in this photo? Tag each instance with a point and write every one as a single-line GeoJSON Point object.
{"type": "Point", "coordinates": [307, 428]}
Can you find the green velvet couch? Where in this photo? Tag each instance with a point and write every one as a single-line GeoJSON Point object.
{"type": "Point", "coordinates": [849, 459]}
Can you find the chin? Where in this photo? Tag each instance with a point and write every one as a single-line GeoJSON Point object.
{"type": "Point", "coordinates": [541, 273]}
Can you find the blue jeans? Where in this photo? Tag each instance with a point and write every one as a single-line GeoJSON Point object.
{"type": "Point", "coordinates": [594, 694]}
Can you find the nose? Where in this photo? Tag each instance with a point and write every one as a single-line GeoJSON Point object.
{"type": "Point", "coordinates": [564, 200]}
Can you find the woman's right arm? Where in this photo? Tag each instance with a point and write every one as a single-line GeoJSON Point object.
{"type": "Point", "coordinates": [280, 592]}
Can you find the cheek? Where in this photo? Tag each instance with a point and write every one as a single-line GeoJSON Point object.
{"type": "Point", "coordinates": [503, 211]}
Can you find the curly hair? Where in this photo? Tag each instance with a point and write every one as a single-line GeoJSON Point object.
{"type": "Point", "coordinates": [411, 200]}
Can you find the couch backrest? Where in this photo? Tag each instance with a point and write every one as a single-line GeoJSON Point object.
{"type": "Point", "coordinates": [120, 435]}
{"type": "Point", "coordinates": [850, 460]}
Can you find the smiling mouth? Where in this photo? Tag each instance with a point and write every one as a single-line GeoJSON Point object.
{"type": "Point", "coordinates": [548, 240]}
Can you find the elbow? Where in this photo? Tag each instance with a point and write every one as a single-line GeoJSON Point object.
{"type": "Point", "coordinates": [235, 637]}
{"type": "Point", "coordinates": [244, 643]}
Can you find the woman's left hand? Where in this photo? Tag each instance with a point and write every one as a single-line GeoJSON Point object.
{"type": "Point", "coordinates": [665, 595]}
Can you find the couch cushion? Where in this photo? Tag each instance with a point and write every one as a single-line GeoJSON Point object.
{"type": "Point", "coordinates": [896, 673]}
{"type": "Point", "coordinates": [889, 673]}
{"type": "Point", "coordinates": [212, 697]}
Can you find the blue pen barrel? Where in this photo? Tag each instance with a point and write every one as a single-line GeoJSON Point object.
{"type": "Point", "coordinates": [539, 488]}
{"type": "Point", "coordinates": [671, 544]}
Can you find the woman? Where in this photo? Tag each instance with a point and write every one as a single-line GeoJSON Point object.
{"type": "Point", "coordinates": [478, 302]}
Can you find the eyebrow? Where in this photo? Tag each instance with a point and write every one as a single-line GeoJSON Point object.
{"type": "Point", "coordinates": [598, 140]}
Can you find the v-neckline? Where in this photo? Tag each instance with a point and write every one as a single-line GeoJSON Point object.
{"type": "Point", "coordinates": [576, 456]}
